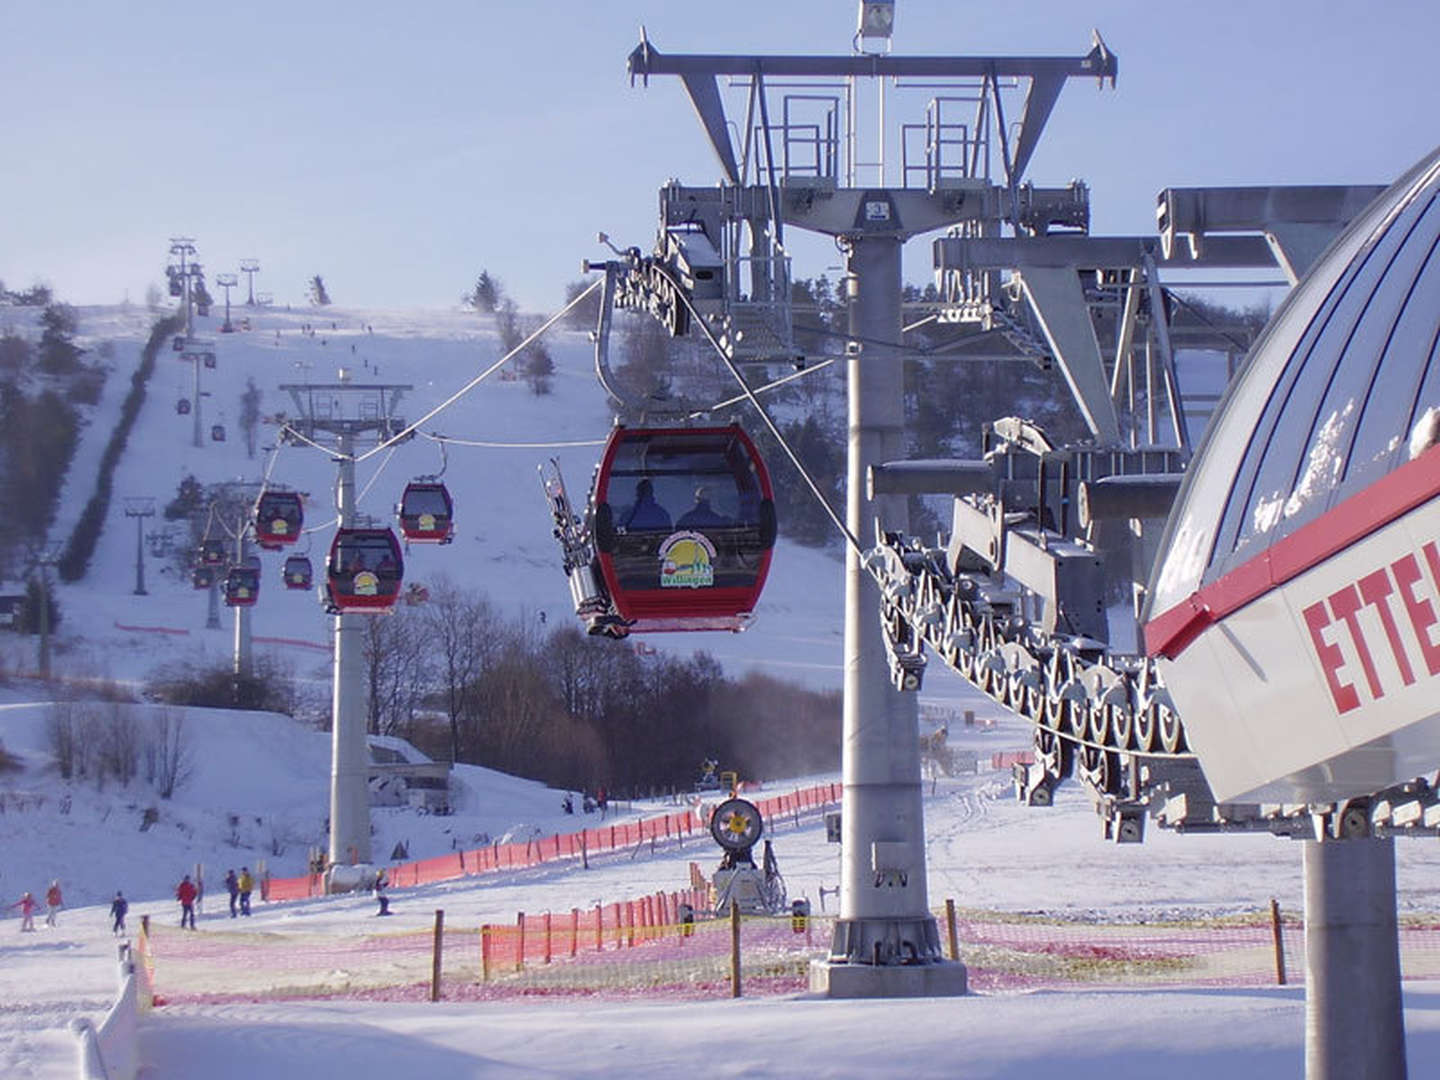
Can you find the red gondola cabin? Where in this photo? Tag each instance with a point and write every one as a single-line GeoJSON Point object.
{"type": "Point", "coordinates": [242, 586]}
{"type": "Point", "coordinates": [211, 553]}
{"type": "Point", "coordinates": [426, 513]}
{"type": "Point", "coordinates": [364, 572]}
{"type": "Point", "coordinates": [297, 572]}
{"type": "Point", "coordinates": [279, 517]}
{"type": "Point", "coordinates": [684, 524]}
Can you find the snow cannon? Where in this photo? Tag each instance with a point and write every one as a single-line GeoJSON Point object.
{"type": "Point", "coordinates": [736, 826]}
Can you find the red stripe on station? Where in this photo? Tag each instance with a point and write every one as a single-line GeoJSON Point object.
{"type": "Point", "coordinates": [1392, 496]}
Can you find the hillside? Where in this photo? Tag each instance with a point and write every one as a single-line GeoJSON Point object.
{"type": "Point", "coordinates": [503, 543]}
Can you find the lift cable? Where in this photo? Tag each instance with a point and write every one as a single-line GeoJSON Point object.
{"type": "Point", "coordinates": [749, 395]}
{"type": "Point", "coordinates": [453, 398]}
{"type": "Point", "coordinates": [775, 385]}
{"type": "Point", "coordinates": [435, 436]}
{"type": "Point", "coordinates": [375, 475]}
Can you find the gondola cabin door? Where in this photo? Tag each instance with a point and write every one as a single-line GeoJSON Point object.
{"type": "Point", "coordinates": [684, 526]}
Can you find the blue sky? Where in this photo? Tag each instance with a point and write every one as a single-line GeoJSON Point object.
{"type": "Point", "coordinates": [399, 149]}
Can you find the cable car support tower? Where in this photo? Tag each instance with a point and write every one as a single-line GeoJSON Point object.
{"type": "Point", "coordinates": [1016, 601]}
{"type": "Point", "coordinates": [343, 415]}
{"type": "Point", "coordinates": [724, 248]}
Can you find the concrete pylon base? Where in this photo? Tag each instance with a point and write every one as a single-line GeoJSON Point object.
{"type": "Point", "coordinates": [946, 978]}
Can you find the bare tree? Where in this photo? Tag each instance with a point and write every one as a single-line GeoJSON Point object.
{"type": "Point", "coordinates": [463, 632]}
{"type": "Point", "coordinates": [119, 745]}
{"type": "Point", "coordinates": [169, 758]}
{"type": "Point", "coordinates": [398, 670]}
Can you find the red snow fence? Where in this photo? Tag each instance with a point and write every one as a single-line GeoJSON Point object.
{"type": "Point", "coordinates": [667, 946]}
{"type": "Point", "coordinates": [673, 828]}
{"type": "Point", "coordinates": [1005, 760]}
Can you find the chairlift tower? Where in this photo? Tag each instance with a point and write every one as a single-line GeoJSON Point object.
{"type": "Point", "coordinates": [227, 282]}
{"type": "Point", "coordinates": [183, 248]}
{"type": "Point", "coordinates": [343, 415]}
{"type": "Point", "coordinates": [140, 508]}
{"type": "Point", "coordinates": [250, 267]}
{"type": "Point", "coordinates": [811, 171]}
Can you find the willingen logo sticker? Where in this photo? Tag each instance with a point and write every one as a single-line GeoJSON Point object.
{"type": "Point", "coordinates": [687, 561]}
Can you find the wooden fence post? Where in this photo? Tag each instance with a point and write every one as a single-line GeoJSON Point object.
{"type": "Point", "coordinates": [584, 852]}
{"type": "Point", "coordinates": [950, 924]}
{"type": "Point", "coordinates": [1275, 930]}
{"type": "Point", "coordinates": [599, 927]}
{"type": "Point", "coordinates": [574, 930]}
{"type": "Point", "coordinates": [520, 942]}
{"type": "Point", "coordinates": [548, 928]}
{"type": "Point", "coordinates": [485, 946]}
{"type": "Point", "coordinates": [734, 949]}
{"type": "Point", "coordinates": [435, 955]}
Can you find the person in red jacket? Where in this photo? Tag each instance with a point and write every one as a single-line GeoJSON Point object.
{"type": "Point", "coordinates": [53, 902]}
{"type": "Point", "coordinates": [186, 892]}
{"type": "Point", "coordinates": [27, 906]}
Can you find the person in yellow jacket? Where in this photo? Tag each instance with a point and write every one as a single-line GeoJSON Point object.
{"type": "Point", "coordinates": [247, 886]}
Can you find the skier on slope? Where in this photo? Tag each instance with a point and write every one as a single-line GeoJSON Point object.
{"type": "Point", "coordinates": [186, 892]}
{"type": "Point", "coordinates": [53, 902]}
{"type": "Point", "coordinates": [27, 906]}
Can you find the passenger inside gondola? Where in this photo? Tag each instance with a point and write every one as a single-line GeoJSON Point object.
{"type": "Point", "coordinates": [702, 514]}
{"type": "Point", "coordinates": [645, 512]}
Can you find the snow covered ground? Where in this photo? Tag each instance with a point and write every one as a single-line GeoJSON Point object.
{"type": "Point", "coordinates": [984, 850]}
{"type": "Point", "coordinates": [261, 786]}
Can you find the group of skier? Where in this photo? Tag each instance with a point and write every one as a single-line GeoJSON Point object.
{"type": "Point", "coordinates": [55, 900]}
{"type": "Point", "coordinates": [239, 886]}
{"type": "Point", "coordinates": [28, 905]}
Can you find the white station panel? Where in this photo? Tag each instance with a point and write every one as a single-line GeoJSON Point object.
{"type": "Point", "coordinates": [1328, 687]}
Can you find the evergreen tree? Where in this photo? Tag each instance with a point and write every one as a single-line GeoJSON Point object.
{"type": "Point", "coordinates": [539, 367]}
{"type": "Point", "coordinates": [487, 294]}
{"type": "Point", "coordinates": [189, 500]}
{"type": "Point", "coordinates": [58, 353]}
{"type": "Point", "coordinates": [318, 296]}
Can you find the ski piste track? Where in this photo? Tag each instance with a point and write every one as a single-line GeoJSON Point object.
{"type": "Point", "coordinates": [1103, 718]}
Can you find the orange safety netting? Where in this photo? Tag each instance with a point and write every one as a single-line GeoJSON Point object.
{"type": "Point", "coordinates": [674, 826]}
{"type": "Point", "coordinates": [647, 946]}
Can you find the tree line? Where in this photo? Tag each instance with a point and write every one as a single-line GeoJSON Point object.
{"type": "Point", "coordinates": [468, 684]}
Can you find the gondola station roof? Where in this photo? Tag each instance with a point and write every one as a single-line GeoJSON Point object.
{"type": "Point", "coordinates": [1296, 602]}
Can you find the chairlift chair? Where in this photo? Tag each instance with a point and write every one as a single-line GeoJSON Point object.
{"type": "Point", "coordinates": [183, 406]}
{"type": "Point", "coordinates": [217, 433]}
